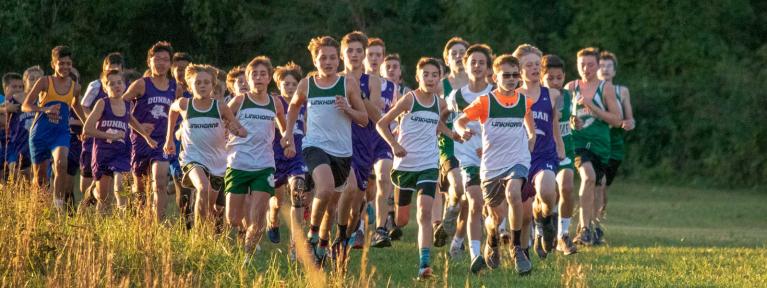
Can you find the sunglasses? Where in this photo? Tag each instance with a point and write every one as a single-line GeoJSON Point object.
{"type": "Point", "coordinates": [511, 75]}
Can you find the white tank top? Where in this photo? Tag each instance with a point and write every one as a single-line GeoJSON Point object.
{"type": "Point", "coordinates": [418, 135]}
{"type": "Point", "coordinates": [459, 99]}
{"type": "Point", "coordinates": [203, 138]}
{"type": "Point", "coordinates": [255, 151]}
{"type": "Point", "coordinates": [504, 139]}
{"type": "Point", "coordinates": [327, 128]}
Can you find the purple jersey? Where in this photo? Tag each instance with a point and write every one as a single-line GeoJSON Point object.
{"type": "Point", "coordinates": [18, 133]}
{"type": "Point", "coordinates": [88, 143]}
{"type": "Point", "coordinates": [109, 155]}
{"type": "Point", "coordinates": [363, 139]}
{"type": "Point", "coordinates": [286, 167]}
{"type": "Point", "coordinates": [543, 114]}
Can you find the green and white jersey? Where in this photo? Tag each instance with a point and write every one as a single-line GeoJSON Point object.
{"type": "Point", "coordinates": [446, 144]}
{"type": "Point", "coordinates": [327, 128]}
{"type": "Point", "coordinates": [504, 138]}
{"type": "Point", "coordinates": [203, 138]}
{"type": "Point", "coordinates": [255, 151]}
{"type": "Point", "coordinates": [617, 133]}
{"type": "Point", "coordinates": [595, 133]}
{"type": "Point", "coordinates": [458, 100]}
{"type": "Point", "coordinates": [564, 104]}
{"type": "Point", "coordinates": [418, 136]}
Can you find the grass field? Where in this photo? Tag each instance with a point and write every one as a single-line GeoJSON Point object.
{"type": "Point", "coordinates": [657, 236]}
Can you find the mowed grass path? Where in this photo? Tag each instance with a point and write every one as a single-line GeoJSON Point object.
{"type": "Point", "coordinates": [657, 236]}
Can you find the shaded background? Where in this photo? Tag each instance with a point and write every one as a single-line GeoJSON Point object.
{"type": "Point", "coordinates": [696, 70]}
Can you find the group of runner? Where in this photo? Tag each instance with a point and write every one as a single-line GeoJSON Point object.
{"type": "Point", "coordinates": [488, 144]}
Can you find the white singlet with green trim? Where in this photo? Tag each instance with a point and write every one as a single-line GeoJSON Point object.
{"type": "Point", "coordinates": [418, 135]}
{"type": "Point", "coordinates": [255, 151]}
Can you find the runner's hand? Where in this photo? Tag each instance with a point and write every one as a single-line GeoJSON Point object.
{"type": "Point", "coordinates": [456, 137]}
{"type": "Point", "coordinates": [289, 148]}
{"type": "Point", "coordinates": [169, 148]}
{"type": "Point", "coordinates": [399, 151]}
{"type": "Point", "coordinates": [342, 105]}
{"type": "Point", "coordinates": [628, 125]}
{"type": "Point", "coordinates": [467, 134]}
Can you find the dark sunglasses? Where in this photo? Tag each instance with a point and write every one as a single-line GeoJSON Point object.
{"type": "Point", "coordinates": [511, 75]}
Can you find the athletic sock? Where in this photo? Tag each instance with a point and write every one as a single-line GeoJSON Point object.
{"type": "Point", "coordinates": [564, 226]}
{"type": "Point", "coordinates": [493, 241]}
{"type": "Point", "coordinates": [342, 231]}
{"type": "Point", "coordinates": [516, 236]}
{"type": "Point", "coordinates": [424, 259]}
{"type": "Point", "coordinates": [555, 210]}
{"type": "Point", "coordinates": [504, 223]}
{"type": "Point", "coordinates": [475, 246]}
{"type": "Point", "coordinates": [314, 233]}
{"type": "Point", "coordinates": [58, 203]}
{"type": "Point", "coordinates": [362, 226]}
{"type": "Point", "coordinates": [381, 229]}
{"type": "Point", "coordinates": [457, 242]}
{"type": "Point", "coordinates": [539, 226]}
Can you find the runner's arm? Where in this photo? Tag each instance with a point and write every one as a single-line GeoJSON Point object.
{"type": "Point", "coordinates": [355, 109]}
{"type": "Point", "coordinates": [29, 104]}
{"type": "Point", "coordinates": [555, 96]}
{"type": "Point", "coordinates": [628, 121]}
{"type": "Point", "coordinates": [232, 124]}
{"type": "Point", "coordinates": [90, 123]}
{"type": "Point", "coordinates": [383, 124]}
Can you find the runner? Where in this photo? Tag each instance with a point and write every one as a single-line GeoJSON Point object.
{"type": "Point", "coordinates": [108, 124]}
{"type": "Point", "coordinates": [392, 71]}
{"type": "Point", "coordinates": [505, 158]}
{"type": "Point", "coordinates": [17, 149]}
{"type": "Point", "coordinates": [606, 72]}
{"type": "Point", "coordinates": [593, 102]}
{"type": "Point", "coordinates": [548, 151]}
{"type": "Point", "coordinates": [183, 194]}
{"type": "Point", "coordinates": [151, 98]}
{"type": "Point", "coordinates": [249, 178]}
{"type": "Point", "coordinates": [553, 76]}
{"type": "Point", "coordinates": [479, 59]}
{"type": "Point", "coordinates": [203, 139]}
{"type": "Point", "coordinates": [333, 102]}
{"type": "Point", "coordinates": [49, 134]}
{"type": "Point", "coordinates": [416, 155]}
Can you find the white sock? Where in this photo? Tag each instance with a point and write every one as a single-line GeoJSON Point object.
{"type": "Point", "coordinates": [538, 230]}
{"type": "Point", "coordinates": [457, 241]}
{"type": "Point", "coordinates": [555, 210]}
{"type": "Point", "coordinates": [503, 225]}
{"type": "Point", "coordinates": [564, 226]}
{"type": "Point", "coordinates": [475, 246]}
{"type": "Point", "coordinates": [58, 203]}
{"type": "Point", "coordinates": [362, 226]}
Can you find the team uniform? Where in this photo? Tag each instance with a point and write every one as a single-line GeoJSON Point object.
{"type": "Point", "coordinates": [203, 138]}
{"type": "Point", "coordinates": [329, 131]}
{"type": "Point", "coordinates": [616, 143]}
{"type": "Point", "coordinates": [44, 135]}
{"type": "Point", "coordinates": [93, 93]}
{"type": "Point", "coordinates": [466, 152]}
{"type": "Point", "coordinates": [17, 149]}
{"type": "Point", "coordinates": [565, 130]}
{"type": "Point", "coordinates": [592, 141]}
{"type": "Point", "coordinates": [363, 142]}
{"type": "Point", "coordinates": [109, 156]}
{"type": "Point", "coordinates": [250, 159]}
{"type": "Point", "coordinates": [544, 156]}
{"type": "Point", "coordinates": [289, 167]}
{"type": "Point", "coordinates": [174, 167]}
{"type": "Point", "coordinates": [75, 145]}
{"type": "Point", "coordinates": [381, 149]}
{"type": "Point", "coordinates": [152, 107]}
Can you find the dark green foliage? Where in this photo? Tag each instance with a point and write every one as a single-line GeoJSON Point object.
{"type": "Point", "coordinates": [696, 70]}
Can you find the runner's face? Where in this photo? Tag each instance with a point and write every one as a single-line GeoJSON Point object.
{"type": "Point", "coordinates": [115, 86]}
{"type": "Point", "coordinates": [32, 78]}
{"type": "Point", "coordinates": [202, 85]}
{"type": "Point", "coordinates": [455, 57]}
{"type": "Point", "coordinates": [15, 86]}
{"type": "Point", "coordinates": [326, 61]}
{"type": "Point", "coordinates": [288, 86]}
{"type": "Point", "coordinates": [374, 57]}
{"type": "Point", "coordinates": [477, 62]}
{"type": "Point", "coordinates": [508, 77]}
{"type": "Point", "coordinates": [428, 77]}
{"type": "Point", "coordinates": [179, 70]}
{"type": "Point", "coordinates": [259, 78]}
{"type": "Point", "coordinates": [587, 67]}
{"type": "Point", "coordinates": [392, 71]}
{"type": "Point", "coordinates": [554, 78]}
{"type": "Point", "coordinates": [354, 53]}
{"type": "Point", "coordinates": [160, 63]}
{"type": "Point", "coordinates": [606, 70]}
{"type": "Point", "coordinates": [531, 67]}
{"type": "Point", "coordinates": [62, 66]}
{"type": "Point", "coordinates": [241, 84]}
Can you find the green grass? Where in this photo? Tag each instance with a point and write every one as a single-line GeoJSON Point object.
{"type": "Point", "coordinates": [657, 236]}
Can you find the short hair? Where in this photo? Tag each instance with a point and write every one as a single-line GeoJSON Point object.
{"type": "Point", "coordinates": [182, 56]}
{"type": "Point", "coordinates": [452, 42]}
{"type": "Point", "coordinates": [131, 75]}
{"type": "Point", "coordinates": [551, 61]}
{"type": "Point", "coordinates": [504, 59]}
{"type": "Point", "coordinates": [428, 61]}
{"type": "Point", "coordinates": [114, 58]}
{"type": "Point", "coordinates": [588, 51]}
{"type": "Point", "coordinates": [105, 75]}
{"type": "Point", "coordinates": [194, 69]}
{"type": "Point", "coordinates": [291, 69]}
{"type": "Point", "coordinates": [322, 41]}
{"type": "Point", "coordinates": [259, 60]}
{"type": "Point", "coordinates": [524, 49]}
{"type": "Point", "coordinates": [10, 76]}
{"type": "Point", "coordinates": [607, 55]}
{"type": "Point", "coordinates": [60, 51]}
{"type": "Point", "coordinates": [481, 48]}
{"type": "Point", "coordinates": [355, 36]}
{"type": "Point", "coordinates": [159, 47]}
{"type": "Point", "coordinates": [375, 41]}
{"type": "Point", "coordinates": [232, 76]}
{"type": "Point", "coordinates": [393, 56]}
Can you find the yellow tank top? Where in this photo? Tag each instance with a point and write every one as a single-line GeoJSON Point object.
{"type": "Point", "coordinates": [50, 94]}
